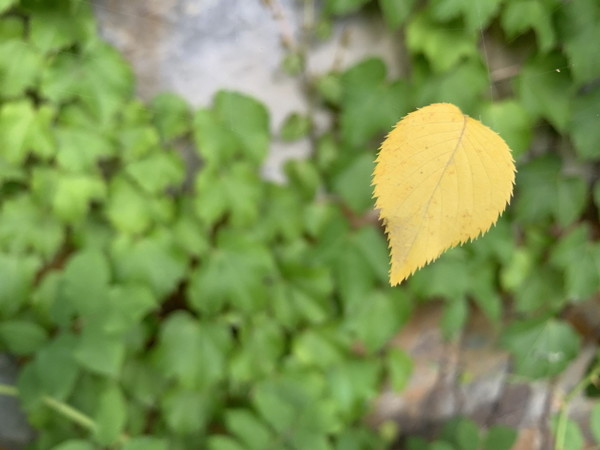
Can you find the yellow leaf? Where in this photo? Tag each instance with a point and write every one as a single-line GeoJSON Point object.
{"type": "Point", "coordinates": [441, 178]}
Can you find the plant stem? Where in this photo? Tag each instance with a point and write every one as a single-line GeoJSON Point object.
{"type": "Point", "coordinates": [69, 412]}
{"type": "Point", "coordinates": [561, 428]}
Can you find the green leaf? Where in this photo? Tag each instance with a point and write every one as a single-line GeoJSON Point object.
{"type": "Point", "coordinates": [5, 5]}
{"type": "Point", "coordinates": [375, 320]}
{"type": "Point", "coordinates": [353, 183]}
{"type": "Point", "coordinates": [476, 16]}
{"type": "Point", "coordinates": [580, 260]}
{"type": "Point", "coordinates": [22, 337]}
{"type": "Point", "coordinates": [462, 433]}
{"type": "Point", "coordinates": [80, 150]}
{"type": "Point", "coordinates": [171, 115]}
{"type": "Point", "coordinates": [248, 120]}
{"type": "Point", "coordinates": [396, 12]}
{"type": "Point", "coordinates": [74, 444]}
{"type": "Point", "coordinates": [157, 172]}
{"type": "Point", "coordinates": [370, 104]}
{"type": "Point", "coordinates": [449, 86]}
{"type": "Point", "coordinates": [542, 290]}
{"type": "Point", "coordinates": [73, 196]}
{"type": "Point", "coordinates": [449, 277]}
{"type": "Point", "coordinates": [400, 368]}
{"type": "Point", "coordinates": [295, 126]}
{"type": "Point", "coordinates": [595, 422]}
{"type": "Point", "coordinates": [584, 124]}
{"type": "Point", "coordinates": [111, 415]}
{"type": "Point", "coordinates": [216, 442]}
{"type": "Point", "coordinates": [53, 372]}
{"type": "Point", "coordinates": [16, 121]}
{"type": "Point", "coordinates": [20, 67]}
{"type": "Point", "coordinates": [454, 318]}
{"type": "Point", "coordinates": [85, 282]}
{"type": "Point", "coordinates": [340, 7]}
{"type": "Point", "coordinates": [193, 353]}
{"type": "Point", "coordinates": [249, 429]}
{"type": "Point", "coordinates": [153, 261]}
{"type": "Point", "coordinates": [126, 306]}
{"type": "Point", "coordinates": [499, 437]}
{"type": "Point", "coordinates": [572, 439]}
{"type": "Point", "coordinates": [236, 192]}
{"type": "Point", "coordinates": [443, 47]}
{"type": "Point", "coordinates": [318, 348]}
{"type": "Point", "coordinates": [99, 78]}
{"type": "Point", "coordinates": [540, 348]}
{"type": "Point", "coordinates": [20, 230]}
{"type": "Point", "coordinates": [100, 352]}
{"type": "Point", "coordinates": [546, 89]}
{"type": "Point", "coordinates": [16, 278]}
{"type": "Point", "coordinates": [583, 59]}
{"type": "Point", "coordinates": [54, 27]}
{"type": "Point", "coordinates": [235, 258]}
{"type": "Point", "coordinates": [329, 86]}
{"type": "Point", "coordinates": [145, 443]}
{"type": "Point", "coordinates": [303, 176]}
{"type": "Point", "coordinates": [520, 16]}
{"type": "Point", "coordinates": [127, 208]}
{"type": "Point", "coordinates": [511, 121]}
{"type": "Point", "coordinates": [543, 193]}
{"type": "Point", "coordinates": [187, 412]}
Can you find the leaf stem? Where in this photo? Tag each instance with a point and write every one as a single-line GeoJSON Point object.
{"type": "Point", "coordinates": [62, 408]}
{"type": "Point", "coordinates": [561, 428]}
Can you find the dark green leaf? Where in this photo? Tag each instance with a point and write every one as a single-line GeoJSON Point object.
{"type": "Point", "coordinates": [476, 16]}
{"type": "Point", "coordinates": [187, 412]}
{"type": "Point", "coordinates": [455, 315]}
{"type": "Point", "coordinates": [100, 352]}
{"type": "Point", "coordinates": [249, 429]}
{"type": "Point", "coordinates": [510, 120]}
{"type": "Point", "coordinates": [396, 12]}
{"type": "Point", "coordinates": [584, 124]}
{"type": "Point", "coordinates": [16, 278]}
{"type": "Point", "coordinates": [499, 437]}
{"type": "Point", "coordinates": [540, 348]}
{"type": "Point", "coordinates": [524, 15]}
{"type": "Point", "coordinates": [74, 444]}
{"type": "Point", "coordinates": [22, 337]}
{"type": "Point", "coordinates": [171, 115]}
{"type": "Point", "coordinates": [353, 183]}
{"type": "Point", "coordinates": [145, 443]}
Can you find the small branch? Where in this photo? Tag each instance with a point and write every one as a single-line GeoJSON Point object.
{"type": "Point", "coordinates": [287, 36]}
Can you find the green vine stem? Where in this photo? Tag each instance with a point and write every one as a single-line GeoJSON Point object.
{"type": "Point", "coordinates": [67, 411]}
{"type": "Point", "coordinates": [561, 429]}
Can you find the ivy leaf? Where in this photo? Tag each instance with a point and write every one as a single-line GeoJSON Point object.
{"type": "Point", "coordinates": [5, 5]}
{"type": "Point", "coordinates": [171, 115]}
{"type": "Point", "coordinates": [80, 150]}
{"type": "Point", "coordinates": [369, 103]}
{"type": "Point", "coordinates": [395, 13]}
{"type": "Point", "coordinates": [541, 347]}
{"type": "Point", "coordinates": [442, 46]}
{"type": "Point", "coordinates": [449, 86]}
{"type": "Point", "coordinates": [429, 180]}
{"type": "Point", "coordinates": [157, 172]}
{"type": "Point", "coordinates": [580, 260]}
{"type": "Point", "coordinates": [518, 17]}
{"type": "Point", "coordinates": [16, 278]}
{"type": "Point", "coordinates": [546, 89]}
{"type": "Point", "coordinates": [476, 16]}
{"type": "Point", "coordinates": [547, 194]}
{"type": "Point", "coordinates": [352, 183]}
{"type": "Point", "coordinates": [454, 318]}
{"type": "Point", "coordinates": [400, 367]}
{"type": "Point", "coordinates": [73, 196]}
{"type": "Point", "coordinates": [16, 121]}
{"type": "Point", "coordinates": [499, 437]}
{"type": "Point", "coordinates": [111, 415]}
{"type": "Point", "coordinates": [248, 120]}
{"type": "Point", "coordinates": [20, 66]}
{"type": "Point", "coordinates": [145, 443]}
{"type": "Point", "coordinates": [572, 439]}
{"type": "Point", "coordinates": [249, 428]}
{"type": "Point", "coordinates": [22, 337]}
{"type": "Point", "coordinates": [584, 124]}
{"type": "Point", "coordinates": [512, 122]}
{"type": "Point", "coordinates": [187, 411]}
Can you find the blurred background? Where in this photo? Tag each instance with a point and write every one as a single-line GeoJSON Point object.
{"type": "Point", "coordinates": [189, 255]}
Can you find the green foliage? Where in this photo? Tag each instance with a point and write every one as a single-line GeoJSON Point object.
{"type": "Point", "coordinates": [214, 309]}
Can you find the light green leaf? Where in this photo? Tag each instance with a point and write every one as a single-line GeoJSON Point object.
{"type": "Point", "coordinates": [400, 368]}
{"type": "Point", "coordinates": [157, 172]}
{"type": "Point", "coordinates": [17, 274]}
{"type": "Point", "coordinates": [511, 121]}
{"type": "Point", "coordinates": [80, 150]}
{"type": "Point", "coordinates": [5, 5]}
{"type": "Point", "coordinates": [73, 196]}
{"type": "Point", "coordinates": [20, 67]}
{"type": "Point", "coordinates": [455, 315]}
{"type": "Point", "coordinates": [127, 208]}
{"type": "Point", "coordinates": [572, 439]}
{"type": "Point", "coordinates": [249, 429]}
{"type": "Point", "coordinates": [16, 121]}
{"type": "Point", "coordinates": [595, 422]}
{"type": "Point", "coordinates": [74, 444]}
{"type": "Point", "coordinates": [145, 443]}
{"type": "Point", "coordinates": [442, 46]}
{"type": "Point", "coordinates": [340, 7]}
{"type": "Point", "coordinates": [216, 442]}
